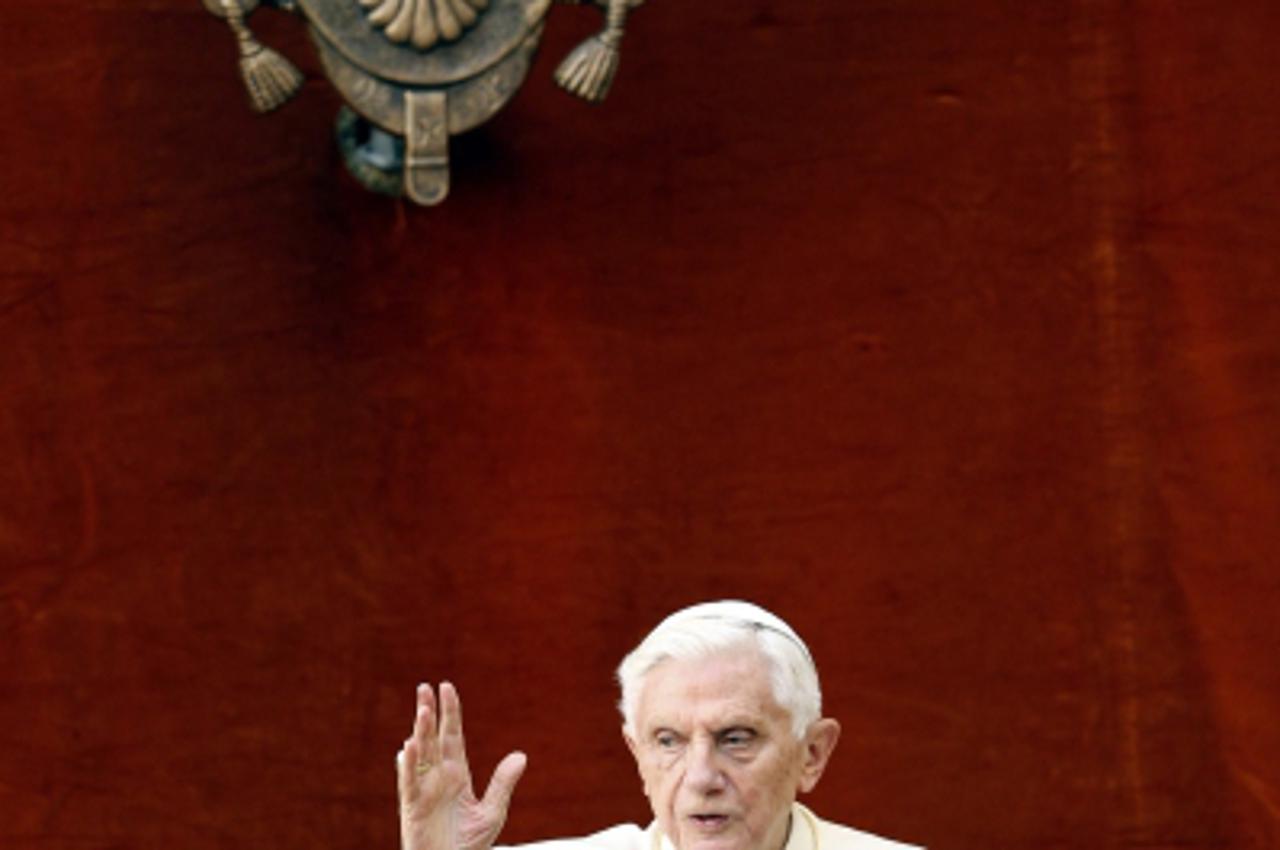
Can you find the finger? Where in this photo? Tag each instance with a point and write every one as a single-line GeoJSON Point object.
{"type": "Point", "coordinates": [452, 745]}
{"type": "Point", "coordinates": [420, 748]}
{"type": "Point", "coordinates": [426, 700]}
{"type": "Point", "coordinates": [497, 797]}
{"type": "Point", "coordinates": [425, 733]}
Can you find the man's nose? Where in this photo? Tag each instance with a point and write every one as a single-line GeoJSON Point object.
{"type": "Point", "coordinates": [703, 771]}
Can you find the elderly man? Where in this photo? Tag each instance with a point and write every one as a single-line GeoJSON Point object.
{"type": "Point", "coordinates": [721, 709]}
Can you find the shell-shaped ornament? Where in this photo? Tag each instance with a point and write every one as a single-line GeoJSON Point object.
{"type": "Point", "coordinates": [423, 23]}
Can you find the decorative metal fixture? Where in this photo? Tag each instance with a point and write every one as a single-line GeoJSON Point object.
{"type": "Point", "coordinates": [414, 72]}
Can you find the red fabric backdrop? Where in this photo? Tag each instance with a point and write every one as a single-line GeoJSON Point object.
{"type": "Point", "coordinates": [947, 330]}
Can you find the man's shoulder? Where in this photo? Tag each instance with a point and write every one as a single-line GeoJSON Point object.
{"type": "Point", "coordinates": [835, 836]}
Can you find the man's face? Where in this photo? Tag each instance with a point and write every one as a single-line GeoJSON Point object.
{"type": "Point", "coordinates": [720, 764]}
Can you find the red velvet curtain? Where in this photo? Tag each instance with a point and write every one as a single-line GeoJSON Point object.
{"type": "Point", "coordinates": [948, 331]}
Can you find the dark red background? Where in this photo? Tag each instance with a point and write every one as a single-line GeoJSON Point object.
{"type": "Point", "coordinates": [948, 330]}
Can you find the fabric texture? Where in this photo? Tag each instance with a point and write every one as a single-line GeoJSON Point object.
{"type": "Point", "coordinates": [949, 331]}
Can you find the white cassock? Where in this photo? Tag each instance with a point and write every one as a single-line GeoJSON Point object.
{"type": "Point", "coordinates": [808, 832]}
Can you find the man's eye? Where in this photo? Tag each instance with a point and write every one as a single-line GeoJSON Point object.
{"type": "Point", "coordinates": [666, 740]}
{"type": "Point", "coordinates": [737, 738]}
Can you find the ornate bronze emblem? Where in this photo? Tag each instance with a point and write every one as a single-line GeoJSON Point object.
{"type": "Point", "coordinates": [415, 72]}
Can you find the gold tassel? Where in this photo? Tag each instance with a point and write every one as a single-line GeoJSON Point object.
{"type": "Point", "coordinates": [269, 78]}
{"type": "Point", "coordinates": [589, 70]}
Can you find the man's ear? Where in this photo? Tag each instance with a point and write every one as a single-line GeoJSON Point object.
{"type": "Point", "coordinates": [819, 743]}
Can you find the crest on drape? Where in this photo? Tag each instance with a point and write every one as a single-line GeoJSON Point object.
{"type": "Point", "coordinates": [423, 23]}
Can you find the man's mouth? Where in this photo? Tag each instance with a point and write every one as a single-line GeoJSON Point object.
{"type": "Point", "coordinates": [709, 821]}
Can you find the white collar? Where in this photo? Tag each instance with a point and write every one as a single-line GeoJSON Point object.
{"type": "Point", "coordinates": [803, 834]}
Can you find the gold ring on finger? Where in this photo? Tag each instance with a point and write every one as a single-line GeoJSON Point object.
{"type": "Point", "coordinates": [422, 767]}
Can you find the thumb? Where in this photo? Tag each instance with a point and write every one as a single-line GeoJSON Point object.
{"type": "Point", "coordinates": [497, 797]}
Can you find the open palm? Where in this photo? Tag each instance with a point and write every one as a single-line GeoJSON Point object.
{"type": "Point", "coordinates": [439, 809]}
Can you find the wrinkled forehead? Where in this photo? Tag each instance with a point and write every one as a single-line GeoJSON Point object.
{"type": "Point", "coordinates": [732, 685]}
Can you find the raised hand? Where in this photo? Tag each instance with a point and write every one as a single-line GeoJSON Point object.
{"type": "Point", "coordinates": [438, 806]}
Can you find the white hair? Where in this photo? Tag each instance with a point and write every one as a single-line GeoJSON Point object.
{"type": "Point", "coordinates": [710, 627]}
